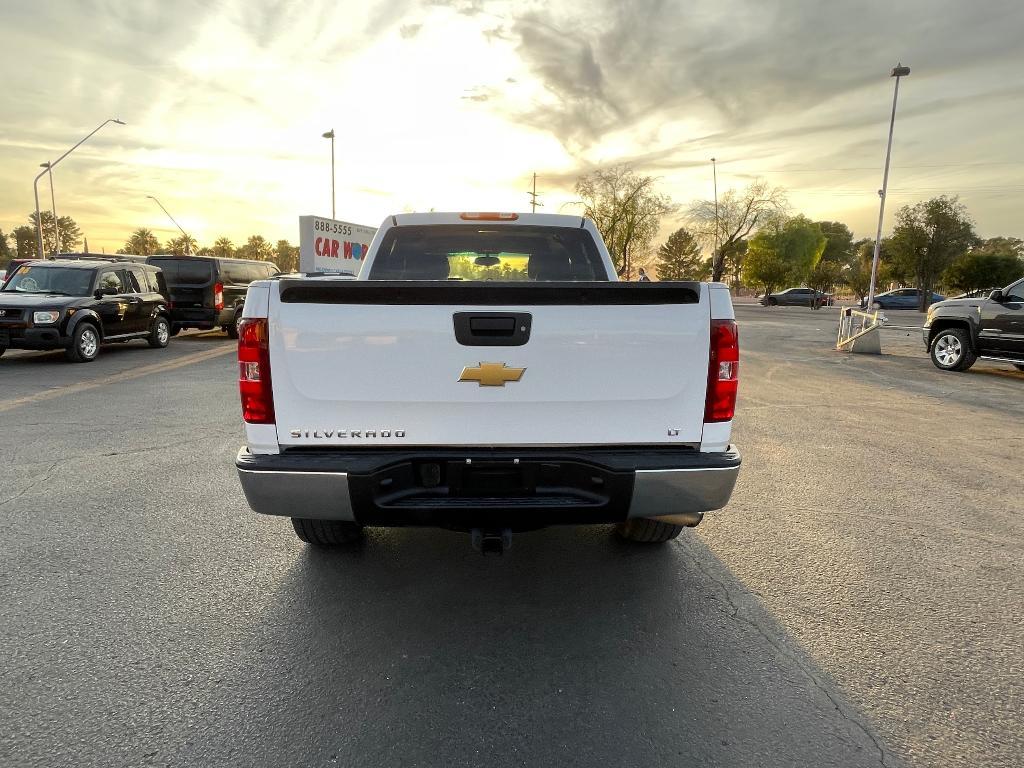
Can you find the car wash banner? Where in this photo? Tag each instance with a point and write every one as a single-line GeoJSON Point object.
{"type": "Point", "coordinates": [329, 245]}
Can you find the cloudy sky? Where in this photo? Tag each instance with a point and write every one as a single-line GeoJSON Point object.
{"type": "Point", "coordinates": [453, 105]}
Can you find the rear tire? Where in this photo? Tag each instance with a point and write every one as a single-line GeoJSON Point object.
{"type": "Point", "coordinates": [232, 329]}
{"type": "Point", "coordinates": [2, 350]}
{"type": "Point", "coordinates": [951, 350]}
{"type": "Point", "coordinates": [85, 344]}
{"type": "Point", "coordinates": [160, 333]}
{"type": "Point", "coordinates": [647, 531]}
{"type": "Point", "coordinates": [326, 533]}
{"type": "Point", "coordinates": [175, 330]}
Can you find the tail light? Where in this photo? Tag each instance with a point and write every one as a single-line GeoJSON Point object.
{"type": "Point", "coordinates": [254, 371]}
{"type": "Point", "coordinates": [218, 297]}
{"type": "Point", "coordinates": [723, 371]}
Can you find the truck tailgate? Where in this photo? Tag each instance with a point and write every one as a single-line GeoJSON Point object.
{"type": "Point", "coordinates": [376, 363]}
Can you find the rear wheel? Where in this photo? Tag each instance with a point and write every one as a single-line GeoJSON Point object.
{"type": "Point", "coordinates": [85, 344]}
{"type": "Point", "coordinates": [326, 533]}
{"type": "Point", "coordinates": [232, 329]}
{"type": "Point", "coordinates": [175, 330]}
{"type": "Point", "coordinates": [160, 333]}
{"type": "Point", "coordinates": [2, 350]}
{"type": "Point", "coordinates": [951, 350]}
{"type": "Point", "coordinates": [647, 531]}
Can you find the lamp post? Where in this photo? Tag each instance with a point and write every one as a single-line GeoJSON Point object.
{"type": "Point", "coordinates": [187, 246]}
{"type": "Point", "coordinates": [53, 208]}
{"type": "Point", "coordinates": [898, 71]}
{"type": "Point", "coordinates": [330, 135]}
{"type": "Point", "coordinates": [714, 174]}
{"type": "Point", "coordinates": [49, 169]}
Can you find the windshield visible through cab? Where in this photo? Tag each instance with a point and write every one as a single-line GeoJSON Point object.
{"type": "Point", "coordinates": [51, 280]}
{"type": "Point", "coordinates": [472, 252]}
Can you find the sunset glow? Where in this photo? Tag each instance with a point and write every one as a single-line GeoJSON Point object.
{"type": "Point", "coordinates": [455, 106]}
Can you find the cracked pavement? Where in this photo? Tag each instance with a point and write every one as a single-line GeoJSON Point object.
{"type": "Point", "coordinates": [856, 605]}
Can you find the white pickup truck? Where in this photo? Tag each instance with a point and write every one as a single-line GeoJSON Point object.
{"type": "Point", "coordinates": [486, 372]}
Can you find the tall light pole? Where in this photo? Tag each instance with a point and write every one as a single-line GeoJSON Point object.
{"type": "Point", "coordinates": [49, 169]}
{"type": "Point", "coordinates": [187, 246]}
{"type": "Point", "coordinates": [330, 135]}
{"type": "Point", "coordinates": [714, 174]}
{"type": "Point", "coordinates": [53, 208]}
{"type": "Point", "coordinates": [898, 71]}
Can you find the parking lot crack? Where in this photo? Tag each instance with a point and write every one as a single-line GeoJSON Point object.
{"type": "Point", "coordinates": [32, 484]}
{"type": "Point", "coordinates": [783, 649]}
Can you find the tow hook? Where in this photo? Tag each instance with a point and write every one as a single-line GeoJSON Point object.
{"type": "Point", "coordinates": [491, 542]}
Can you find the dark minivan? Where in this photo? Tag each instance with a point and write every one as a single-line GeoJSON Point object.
{"type": "Point", "coordinates": [208, 291]}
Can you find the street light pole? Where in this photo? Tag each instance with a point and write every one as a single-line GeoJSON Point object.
{"type": "Point", "coordinates": [898, 71]}
{"type": "Point", "coordinates": [714, 173]}
{"type": "Point", "coordinates": [53, 204]}
{"type": "Point", "coordinates": [330, 135]}
{"type": "Point", "coordinates": [188, 247]}
{"type": "Point", "coordinates": [49, 169]}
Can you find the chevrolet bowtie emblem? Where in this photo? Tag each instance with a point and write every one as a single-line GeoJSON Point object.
{"type": "Point", "coordinates": [491, 374]}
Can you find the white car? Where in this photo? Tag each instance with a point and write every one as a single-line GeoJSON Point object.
{"type": "Point", "coordinates": [487, 373]}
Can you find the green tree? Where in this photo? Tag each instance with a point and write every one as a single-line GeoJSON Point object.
{"type": "Point", "coordinates": [993, 264]}
{"type": "Point", "coordinates": [257, 248]}
{"type": "Point", "coordinates": [764, 267]}
{"type": "Point", "coordinates": [627, 210]}
{"type": "Point", "coordinates": [825, 276]}
{"type": "Point", "coordinates": [797, 242]}
{"type": "Point", "coordinates": [736, 216]}
{"type": "Point", "coordinates": [839, 247]}
{"type": "Point", "coordinates": [70, 233]}
{"type": "Point", "coordinates": [680, 258]}
{"type": "Point", "coordinates": [857, 275]}
{"type": "Point", "coordinates": [224, 248]}
{"type": "Point", "coordinates": [183, 245]}
{"type": "Point", "coordinates": [5, 251]}
{"type": "Point", "coordinates": [142, 242]}
{"type": "Point", "coordinates": [928, 238]}
{"type": "Point", "coordinates": [286, 256]}
{"type": "Point", "coordinates": [732, 257]}
{"type": "Point", "coordinates": [24, 241]}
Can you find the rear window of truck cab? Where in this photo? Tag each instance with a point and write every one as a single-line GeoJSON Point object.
{"type": "Point", "coordinates": [480, 252]}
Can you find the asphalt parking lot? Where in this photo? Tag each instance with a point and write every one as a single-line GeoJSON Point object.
{"type": "Point", "coordinates": [858, 603]}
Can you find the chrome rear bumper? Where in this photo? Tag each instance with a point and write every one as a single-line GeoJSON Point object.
{"type": "Point", "coordinates": [277, 485]}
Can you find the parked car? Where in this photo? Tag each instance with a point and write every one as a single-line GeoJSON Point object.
{"type": "Point", "coordinates": [796, 297]}
{"type": "Point", "coordinates": [959, 331]}
{"type": "Point", "coordinates": [79, 305]}
{"type": "Point", "coordinates": [208, 291]}
{"type": "Point", "coordinates": [901, 298]}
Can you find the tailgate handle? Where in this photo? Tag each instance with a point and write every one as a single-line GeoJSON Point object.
{"type": "Point", "coordinates": [492, 326]}
{"type": "Point", "coordinates": [492, 329]}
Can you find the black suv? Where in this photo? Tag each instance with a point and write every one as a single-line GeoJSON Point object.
{"type": "Point", "coordinates": [959, 331]}
{"type": "Point", "coordinates": [208, 291]}
{"type": "Point", "coordinates": [78, 305]}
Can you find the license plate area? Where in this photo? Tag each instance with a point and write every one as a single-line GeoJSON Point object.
{"type": "Point", "coordinates": [487, 478]}
{"type": "Point", "coordinates": [454, 492]}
